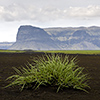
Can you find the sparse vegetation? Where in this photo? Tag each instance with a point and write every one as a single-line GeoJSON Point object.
{"type": "Point", "coordinates": [72, 51]}
{"type": "Point", "coordinates": [12, 51]}
{"type": "Point", "coordinates": [55, 51]}
{"type": "Point", "coordinates": [50, 70]}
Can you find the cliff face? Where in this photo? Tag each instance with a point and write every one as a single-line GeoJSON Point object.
{"type": "Point", "coordinates": [79, 38]}
{"type": "Point", "coordinates": [29, 37]}
{"type": "Point", "coordinates": [28, 33]}
{"type": "Point", "coordinates": [76, 38]}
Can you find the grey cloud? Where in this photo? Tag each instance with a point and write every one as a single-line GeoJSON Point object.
{"type": "Point", "coordinates": [56, 3]}
{"type": "Point", "coordinates": [17, 12]}
{"type": "Point", "coordinates": [90, 11]}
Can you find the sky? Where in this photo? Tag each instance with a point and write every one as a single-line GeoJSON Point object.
{"type": "Point", "coordinates": [46, 13]}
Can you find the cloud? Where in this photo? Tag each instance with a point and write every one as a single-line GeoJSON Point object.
{"type": "Point", "coordinates": [90, 11]}
{"type": "Point", "coordinates": [17, 12]}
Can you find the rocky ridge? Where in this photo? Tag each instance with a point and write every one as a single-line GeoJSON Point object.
{"type": "Point", "coordinates": [29, 37]}
{"type": "Point", "coordinates": [70, 38]}
{"type": "Point", "coordinates": [76, 38]}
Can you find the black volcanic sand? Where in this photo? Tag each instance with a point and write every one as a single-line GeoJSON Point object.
{"type": "Point", "coordinates": [9, 60]}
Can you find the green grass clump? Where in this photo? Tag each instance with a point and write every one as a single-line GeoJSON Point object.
{"type": "Point", "coordinates": [51, 70]}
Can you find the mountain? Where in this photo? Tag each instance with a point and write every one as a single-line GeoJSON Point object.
{"type": "Point", "coordinates": [69, 38]}
{"type": "Point", "coordinates": [76, 38]}
{"type": "Point", "coordinates": [29, 37]}
{"type": "Point", "coordinates": [5, 45]}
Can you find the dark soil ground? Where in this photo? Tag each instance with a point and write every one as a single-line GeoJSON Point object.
{"type": "Point", "coordinates": [9, 60]}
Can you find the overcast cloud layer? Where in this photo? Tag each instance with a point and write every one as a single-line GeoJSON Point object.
{"type": "Point", "coordinates": [17, 12]}
{"type": "Point", "coordinates": [46, 13]}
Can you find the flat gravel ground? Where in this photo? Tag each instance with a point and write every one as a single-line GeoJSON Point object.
{"type": "Point", "coordinates": [91, 63]}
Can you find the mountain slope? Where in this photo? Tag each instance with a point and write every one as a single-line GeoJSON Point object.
{"type": "Point", "coordinates": [70, 38]}
{"type": "Point", "coordinates": [78, 38]}
{"type": "Point", "coordinates": [29, 37]}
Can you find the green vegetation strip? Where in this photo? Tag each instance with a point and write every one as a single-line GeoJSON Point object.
{"type": "Point", "coordinates": [55, 51]}
{"type": "Point", "coordinates": [73, 51]}
{"type": "Point", "coordinates": [11, 51]}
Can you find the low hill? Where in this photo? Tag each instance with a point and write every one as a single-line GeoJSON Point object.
{"type": "Point", "coordinates": [5, 45]}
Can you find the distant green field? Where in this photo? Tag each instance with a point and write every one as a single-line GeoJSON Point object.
{"type": "Point", "coordinates": [12, 51]}
{"type": "Point", "coordinates": [73, 51]}
{"type": "Point", "coordinates": [56, 51]}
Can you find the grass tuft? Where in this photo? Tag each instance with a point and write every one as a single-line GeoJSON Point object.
{"type": "Point", "coordinates": [53, 70]}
